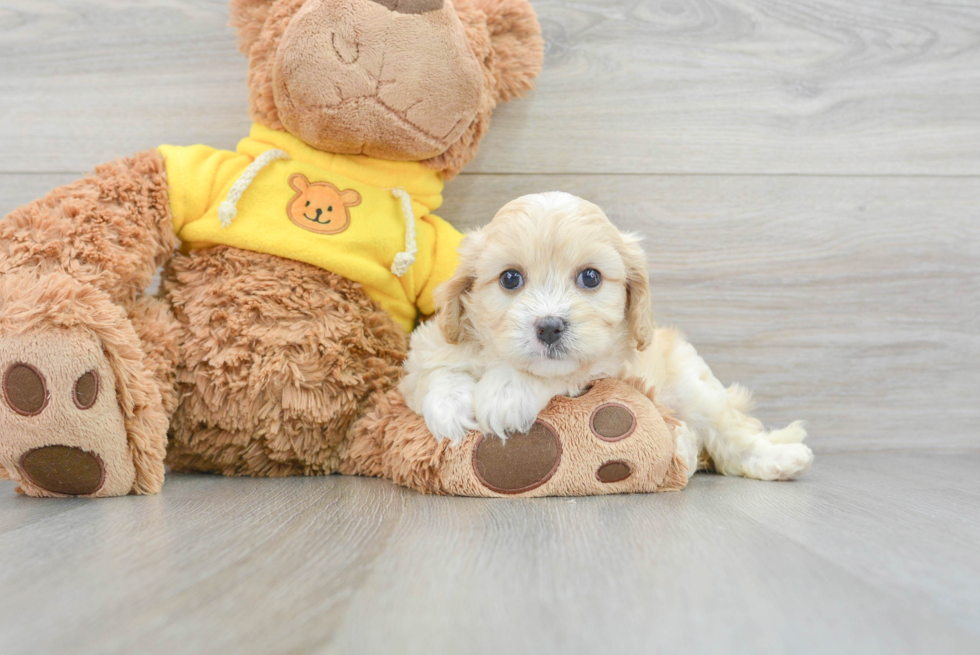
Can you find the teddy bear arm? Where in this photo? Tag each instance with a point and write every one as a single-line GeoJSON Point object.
{"type": "Point", "coordinates": [110, 229]}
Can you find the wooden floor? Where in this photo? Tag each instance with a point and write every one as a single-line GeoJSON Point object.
{"type": "Point", "coordinates": [807, 177]}
{"type": "Point", "coordinates": [870, 553]}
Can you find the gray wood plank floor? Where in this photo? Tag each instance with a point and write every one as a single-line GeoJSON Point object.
{"type": "Point", "coordinates": [807, 177]}
{"type": "Point", "coordinates": [871, 553]}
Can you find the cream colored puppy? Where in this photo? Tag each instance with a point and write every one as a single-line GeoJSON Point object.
{"type": "Point", "coordinates": [550, 296]}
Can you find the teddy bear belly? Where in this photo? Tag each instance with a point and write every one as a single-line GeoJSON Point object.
{"type": "Point", "coordinates": [277, 359]}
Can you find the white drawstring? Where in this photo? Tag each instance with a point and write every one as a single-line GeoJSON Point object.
{"type": "Point", "coordinates": [404, 260]}
{"type": "Point", "coordinates": [228, 209]}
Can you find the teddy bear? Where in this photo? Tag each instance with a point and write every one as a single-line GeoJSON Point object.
{"type": "Point", "coordinates": [294, 267]}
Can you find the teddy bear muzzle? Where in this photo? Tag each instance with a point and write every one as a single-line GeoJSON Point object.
{"type": "Point", "coordinates": [341, 85]}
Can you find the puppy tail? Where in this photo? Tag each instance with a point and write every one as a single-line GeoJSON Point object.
{"type": "Point", "coordinates": [740, 398]}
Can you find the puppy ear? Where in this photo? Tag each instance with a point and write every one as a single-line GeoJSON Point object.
{"type": "Point", "coordinates": [639, 313]}
{"type": "Point", "coordinates": [449, 295]}
{"type": "Point", "coordinates": [518, 49]}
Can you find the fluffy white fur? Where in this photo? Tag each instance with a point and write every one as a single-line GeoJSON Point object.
{"type": "Point", "coordinates": [480, 365]}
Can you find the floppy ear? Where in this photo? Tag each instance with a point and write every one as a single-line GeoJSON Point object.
{"type": "Point", "coordinates": [248, 17]}
{"type": "Point", "coordinates": [449, 295]}
{"type": "Point", "coordinates": [518, 49]}
{"type": "Point", "coordinates": [350, 198]}
{"type": "Point", "coordinates": [298, 182]}
{"type": "Point", "coordinates": [639, 313]}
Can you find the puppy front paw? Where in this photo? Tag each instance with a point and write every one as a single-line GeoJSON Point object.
{"type": "Point", "coordinates": [448, 412]}
{"type": "Point", "coordinates": [505, 406]}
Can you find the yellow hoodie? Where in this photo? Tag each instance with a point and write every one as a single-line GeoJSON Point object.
{"type": "Point", "coordinates": [349, 214]}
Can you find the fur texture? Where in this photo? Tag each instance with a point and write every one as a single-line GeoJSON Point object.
{"type": "Point", "coordinates": [518, 48]}
{"type": "Point", "coordinates": [277, 360]}
{"type": "Point", "coordinates": [110, 229]}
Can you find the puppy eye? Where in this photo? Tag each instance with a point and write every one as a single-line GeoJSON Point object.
{"type": "Point", "coordinates": [330, 208]}
{"type": "Point", "coordinates": [589, 278]}
{"type": "Point", "coordinates": [511, 279]}
{"type": "Point", "coordinates": [307, 203]}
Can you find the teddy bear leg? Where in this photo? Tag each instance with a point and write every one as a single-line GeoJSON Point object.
{"type": "Point", "coordinates": [80, 411]}
{"type": "Point", "coordinates": [277, 360]}
{"type": "Point", "coordinates": [80, 414]}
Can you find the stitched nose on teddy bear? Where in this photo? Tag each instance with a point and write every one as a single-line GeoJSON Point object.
{"type": "Point", "coordinates": [411, 6]}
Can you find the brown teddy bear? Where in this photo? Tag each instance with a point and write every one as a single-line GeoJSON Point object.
{"type": "Point", "coordinates": [306, 256]}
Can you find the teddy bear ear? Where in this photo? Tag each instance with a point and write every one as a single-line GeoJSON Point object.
{"type": "Point", "coordinates": [248, 17]}
{"type": "Point", "coordinates": [518, 49]}
{"type": "Point", "coordinates": [350, 198]}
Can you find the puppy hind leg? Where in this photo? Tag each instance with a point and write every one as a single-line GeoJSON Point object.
{"type": "Point", "coordinates": [737, 442]}
{"type": "Point", "coordinates": [740, 445]}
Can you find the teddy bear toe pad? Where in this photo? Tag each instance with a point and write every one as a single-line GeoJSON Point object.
{"type": "Point", "coordinates": [614, 471]}
{"type": "Point", "coordinates": [612, 422]}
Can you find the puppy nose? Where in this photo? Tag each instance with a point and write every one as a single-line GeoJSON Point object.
{"type": "Point", "coordinates": [549, 329]}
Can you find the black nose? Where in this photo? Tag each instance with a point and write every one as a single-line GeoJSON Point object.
{"type": "Point", "coordinates": [549, 329]}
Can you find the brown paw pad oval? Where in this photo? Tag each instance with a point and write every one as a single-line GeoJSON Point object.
{"type": "Point", "coordinates": [612, 422]}
{"type": "Point", "coordinates": [524, 462]}
{"type": "Point", "coordinates": [24, 390]}
{"type": "Point", "coordinates": [86, 390]}
{"type": "Point", "coordinates": [64, 470]}
{"type": "Point", "coordinates": [614, 471]}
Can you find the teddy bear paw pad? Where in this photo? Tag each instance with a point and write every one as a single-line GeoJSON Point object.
{"type": "Point", "coordinates": [64, 470]}
{"type": "Point", "coordinates": [521, 463]}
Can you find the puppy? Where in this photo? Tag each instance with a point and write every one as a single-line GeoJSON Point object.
{"type": "Point", "coordinates": [551, 296]}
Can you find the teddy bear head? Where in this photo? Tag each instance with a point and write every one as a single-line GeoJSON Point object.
{"type": "Point", "coordinates": [406, 80]}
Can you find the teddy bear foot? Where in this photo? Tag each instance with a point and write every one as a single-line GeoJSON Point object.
{"type": "Point", "coordinates": [79, 413]}
{"type": "Point", "coordinates": [62, 431]}
{"type": "Point", "coordinates": [612, 439]}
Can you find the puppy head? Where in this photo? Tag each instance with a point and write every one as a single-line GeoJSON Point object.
{"type": "Point", "coordinates": [550, 286]}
